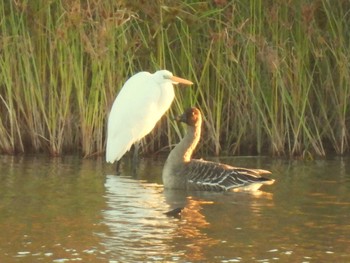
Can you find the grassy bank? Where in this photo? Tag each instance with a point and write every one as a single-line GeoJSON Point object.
{"type": "Point", "coordinates": [271, 77]}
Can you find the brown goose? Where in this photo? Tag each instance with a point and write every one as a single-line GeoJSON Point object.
{"type": "Point", "coordinates": [182, 172]}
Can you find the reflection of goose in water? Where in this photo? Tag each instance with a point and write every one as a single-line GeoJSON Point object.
{"type": "Point", "coordinates": [205, 214]}
{"type": "Point", "coordinates": [182, 172]}
{"type": "Point", "coordinates": [191, 231]}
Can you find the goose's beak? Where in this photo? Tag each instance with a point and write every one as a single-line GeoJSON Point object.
{"type": "Point", "coordinates": [180, 118]}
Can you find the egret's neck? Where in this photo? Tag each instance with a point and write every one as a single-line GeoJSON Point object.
{"type": "Point", "coordinates": [183, 151]}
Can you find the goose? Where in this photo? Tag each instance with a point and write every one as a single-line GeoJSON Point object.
{"type": "Point", "coordinates": [180, 171]}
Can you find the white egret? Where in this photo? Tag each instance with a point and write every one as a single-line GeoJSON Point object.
{"type": "Point", "coordinates": [182, 172]}
{"type": "Point", "coordinates": [141, 102]}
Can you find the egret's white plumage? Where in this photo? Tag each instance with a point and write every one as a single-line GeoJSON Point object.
{"type": "Point", "coordinates": [142, 101]}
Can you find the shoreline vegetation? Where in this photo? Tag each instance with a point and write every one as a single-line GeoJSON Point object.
{"type": "Point", "coordinates": [271, 77]}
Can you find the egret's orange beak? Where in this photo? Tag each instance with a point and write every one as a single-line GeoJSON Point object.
{"type": "Point", "coordinates": [177, 80]}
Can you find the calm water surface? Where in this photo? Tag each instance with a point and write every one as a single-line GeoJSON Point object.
{"type": "Point", "coordinates": [68, 210]}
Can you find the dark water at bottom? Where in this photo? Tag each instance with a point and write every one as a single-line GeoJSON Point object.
{"type": "Point", "coordinates": [73, 210]}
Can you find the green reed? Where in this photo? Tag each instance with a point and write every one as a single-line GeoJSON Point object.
{"type": "Point", "coordinates": [270, 77]}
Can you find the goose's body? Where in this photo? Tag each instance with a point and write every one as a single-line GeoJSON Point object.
{"type": "Point", "coordinates": [182, 172]}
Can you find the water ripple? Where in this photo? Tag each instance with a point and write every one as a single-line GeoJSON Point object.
{"type": "Point", "coordinates": [135, 220]}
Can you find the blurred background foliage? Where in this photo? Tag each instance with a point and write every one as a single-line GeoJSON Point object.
{"type": "Point", "coordinates": [271, 77]}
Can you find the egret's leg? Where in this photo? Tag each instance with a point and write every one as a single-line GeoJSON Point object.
{"type": "Point", "coordinates": [117, 168]}
{"type": "Point", "coordinates": [135, 158]}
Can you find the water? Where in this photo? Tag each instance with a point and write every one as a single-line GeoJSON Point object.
{"type": "Point", "coordinates": [73, 210]}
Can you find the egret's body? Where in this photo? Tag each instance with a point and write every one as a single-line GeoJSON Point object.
{"type": "Point", "coordinates": [142, 101]}
{"type": "Point", "coordinates": [182, 172]}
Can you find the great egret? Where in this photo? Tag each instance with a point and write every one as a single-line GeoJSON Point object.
{"type": "Point", "coordinates": [142, 101]}
{"type": "Point", "coordinates": [182, 172]}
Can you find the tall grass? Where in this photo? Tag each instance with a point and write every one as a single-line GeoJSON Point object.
{"type": "Point", "coordinates": [271, 77]}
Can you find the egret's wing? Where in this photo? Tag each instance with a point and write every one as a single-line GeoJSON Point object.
{"type": "Point", "coordinates": [132, 115]}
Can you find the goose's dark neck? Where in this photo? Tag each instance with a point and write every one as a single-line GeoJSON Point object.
{"type": "Point", "coordinates": [183, 151]}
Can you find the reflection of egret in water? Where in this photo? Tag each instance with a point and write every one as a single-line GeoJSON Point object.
{"type": "Point", "coordinates": [137, 227]}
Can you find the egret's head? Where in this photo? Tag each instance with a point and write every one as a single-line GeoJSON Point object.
{"type": "Point", "coordinates": [167, 75]}
{"type": "Point", "coordinates": [191, 117]}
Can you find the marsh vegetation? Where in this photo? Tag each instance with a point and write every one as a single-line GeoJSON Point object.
{"type": "Point", "coordinates": [271, 77]}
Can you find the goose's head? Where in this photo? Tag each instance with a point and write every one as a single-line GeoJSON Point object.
{"type": "Point", "coordinates": [192, 117]}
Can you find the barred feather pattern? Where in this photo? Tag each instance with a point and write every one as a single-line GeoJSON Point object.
{"type": "Point", "coordinates": [182, 172]}
{"type": "Point", "coordinates": [211, 176]}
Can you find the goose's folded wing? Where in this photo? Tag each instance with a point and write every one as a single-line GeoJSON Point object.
{"type": "Point", "coordinates": [206, 175]}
